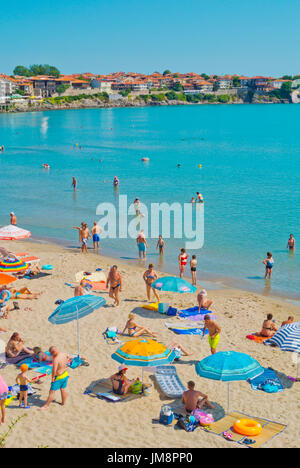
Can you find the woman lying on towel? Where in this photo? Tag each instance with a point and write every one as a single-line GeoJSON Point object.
{"type": "Point", "coordinates": [136, 330]}
{"type": "Point", "coordinates": [120, 383]}
{"type": "Point", "coordinates": [16, 349]}
{"type": "Point", "coordinates": [23, 293]}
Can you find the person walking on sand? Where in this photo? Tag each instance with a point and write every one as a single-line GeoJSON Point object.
{"type": "Point", "coordinates": [182, 260]}
{"type": "Point", "coordinates": [96, 231]}
{"type": "Point", "coordinates": [13, 219]}
{"type": "Point", "coordinates": [214, 333]}
{"type": "Point", "coordinates": [114, 279]}
{"type": "Point", "coordinates": [141, 244]}
{"type": "Point", "coordinates": [291, 245]}
{"type": "Point", "coordinates": [149, 277]}
{"type": "Point", "coordinates": [269, 263]}
{"type": "Point", "coordinates": [74, 184]}
{"type": "Point", "coordinates": [60, 377]}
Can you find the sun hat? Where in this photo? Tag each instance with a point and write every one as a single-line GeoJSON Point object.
{"type": "Point", "coordinates": [24, 367]}
{"type": "Point", "coordinates": [122, 367]}
{"type": "Point", "coordinates": [203, 292]}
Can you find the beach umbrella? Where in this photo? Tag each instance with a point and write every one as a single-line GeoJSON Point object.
{"type": "Point", "coordinates": [173, 284]}
{"type": "Point", "coordinates": [12, 265]}
{"type": "Point", "coordinates": [75, 309]}
{"type": "Point", "coordinates": [12, 232]}
{"type": "Point", "coordinates": [144, 352]}
{"type": "Point", "coordinates": [229, 366]}
{"type": "Point", "coordinates": [288, 339]}
{"type": "Point", "coordinates": [6, 279]}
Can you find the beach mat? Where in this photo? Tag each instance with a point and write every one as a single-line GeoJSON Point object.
{"type": "Point", "coordinates": [104, 386]}
{"type": "Point", "coordinates": [37, 276]}
{"type": "Point", "coordinates": [194, 311]}
{"type": "Point", "coordinates": [268, 375]}
{"type": "Point", "coordinates": [121, 339]}
{"type": "Point", "coordinates": [270, 429]}
{"type": "Point", "coordinates": [257, 338]}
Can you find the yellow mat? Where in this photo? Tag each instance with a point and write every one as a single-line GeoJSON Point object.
{"type": "Point", "coordinates": [270, 429]}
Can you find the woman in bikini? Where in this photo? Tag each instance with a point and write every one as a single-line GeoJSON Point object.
{"type": "Point", "coordinates": [268, 327]}
{"type": "Point", "coordinates": [149, 277]}
{"type": "Point", "coordinates": [136, 330]}
{"type": "Point", "coordinates": [23, 293]}
{"type": "Point", "coordinates": [182, 260]}
{"type": "Point", "coordinates": [120, 383]}
{"type": "Point", "coordinates": [114, 279]}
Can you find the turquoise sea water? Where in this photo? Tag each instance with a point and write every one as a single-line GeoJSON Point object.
{"type": "Point", "coordinates": [250, 156]}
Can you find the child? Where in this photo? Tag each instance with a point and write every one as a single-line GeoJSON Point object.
{"type": "Point", "coordinates": [193, 264]}
{"type": "Point", "coordinates": [3, 396]}
{"type": "Point", "coordinates": [40, 356]}
{"type": "Point", "coordinates": [160, 245]}
{"type": "Point", "coordinates": [23, 381]}
{"type": "Point", "coordinates": [268, 262]}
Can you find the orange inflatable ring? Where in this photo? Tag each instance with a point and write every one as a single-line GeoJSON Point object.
{"type": "Point", "coordinates": [247, 427]}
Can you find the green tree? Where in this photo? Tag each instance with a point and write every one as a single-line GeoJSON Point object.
{"type": "Point", "coordinates": [236, 82]}
{"type": "Point", "coordinates": [171, 95]}
{"type": "Point", "coordinates": [224, 98]}
{"type": "Point", "coordinates": [287, 77]}
{"type": "Point", "coordinates": [177, 87]}
{"type": "Point", "coordinates": [62, 88]}
{"type": "Point", "coordinates": [167, 72]}
{"type": "Point", "coordinates": [285, 90]}
{"type": "Point", "coordinates": [21, 71]}
{"type": "Point", "coordinates": [205, 76]}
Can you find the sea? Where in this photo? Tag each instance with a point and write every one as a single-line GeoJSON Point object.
{"type": "Point", "coordinates": [244, 160]}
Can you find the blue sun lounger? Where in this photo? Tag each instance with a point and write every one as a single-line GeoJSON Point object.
{"type": "Point", "coordinates": [169, 382]}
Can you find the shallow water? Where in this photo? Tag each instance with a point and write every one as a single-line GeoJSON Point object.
{"type": "Point", "coordinates": [250, 157]}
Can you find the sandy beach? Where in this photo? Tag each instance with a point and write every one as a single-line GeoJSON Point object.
{"type": "Point", "coordinates": [90, 422]}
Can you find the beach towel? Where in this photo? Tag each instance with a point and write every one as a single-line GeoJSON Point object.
{"type": "Point", "coordinates": [270, 429]}
{"type": "Point", "coordinates": [104, 387]}
{"type": "Point", "coordinates": [198, 317]}
{"type": "Point", "coordinates": [193, 311]}
{"type": "Point", "coordinates": [265, 381]}
{"type": "Point", "coordinates": [37, 275]}
{"type": "Point", "coordinates": [189, 331]}
{"type": "Point", "coordinates": [256, 338]}
{"type": "Point", "coordinates": [18, 359]}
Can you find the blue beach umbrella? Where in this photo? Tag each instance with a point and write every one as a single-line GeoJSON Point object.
{"type": "Point", "coordinates": [229, 366]}
{"type": "Point", "coordinates": [75, 309]}
{"type": "Point", "coordinates": [173, 284]}
{"type": "Point", "coordinates": [288, 339]}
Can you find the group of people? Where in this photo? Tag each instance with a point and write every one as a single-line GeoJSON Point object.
{"type": "Point", "coordinates": [269, 328]}
{"type": "Point", "coordinates": [199, 198]}
{"type": "Point", "coordinates": [85, 235]}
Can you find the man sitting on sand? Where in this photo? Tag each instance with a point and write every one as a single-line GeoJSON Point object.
{"type": "Point", "coordinates": [193, 399]}
{"type": "Point", "coordinates": [288, 321]}
{"type": "Point", "coordinates": [203, 301]}
{"type": "Point", "coordinates": [60, 376]}
{"type": "Point", "coordinates": [214, 333]}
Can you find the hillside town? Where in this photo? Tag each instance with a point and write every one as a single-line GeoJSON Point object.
{"type": "Point", "coordinates": [120, 85]}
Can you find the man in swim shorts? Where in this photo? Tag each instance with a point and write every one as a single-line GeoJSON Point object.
{"type": "Point", "coordinates": [96, 230]}
{"type": "Point", "coordinates": [60, 376]}
{"type": "Point", "coordinates": [214, 333]}
{"type": "Point", "coordinates": [193, 399]}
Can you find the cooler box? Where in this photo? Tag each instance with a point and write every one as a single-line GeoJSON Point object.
{"type": "Point", "coordinates": [163, 308]}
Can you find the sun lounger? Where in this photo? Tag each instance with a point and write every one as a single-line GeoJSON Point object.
{"type": "Point", "coordinates": [169, 382]}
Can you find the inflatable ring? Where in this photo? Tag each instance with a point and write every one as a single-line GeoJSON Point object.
{"type": "Point", "coordinates": [247, 427]}
{"type": "Point", "coordinates": [47, 267]}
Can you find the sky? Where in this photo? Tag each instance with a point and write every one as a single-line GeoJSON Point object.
{"type": "Point", "coordinates": [248, 37]}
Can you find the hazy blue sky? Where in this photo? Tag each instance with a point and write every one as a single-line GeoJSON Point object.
{"type": "Point", "coordinates": [214, 36]}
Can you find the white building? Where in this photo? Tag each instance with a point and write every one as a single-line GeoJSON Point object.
{"type": "Point", "coordinates": [7, 86]}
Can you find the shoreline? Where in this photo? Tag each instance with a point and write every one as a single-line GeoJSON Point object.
{"type": "Point", "coordinates": [207, 280]}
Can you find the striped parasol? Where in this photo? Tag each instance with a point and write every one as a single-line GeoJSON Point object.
{"type": "Point", "coordinates": [288, 339]}
{"type": "Point", "coordinates": [12, 232]}
{"type": "Point", "coordinates": [12, 266]}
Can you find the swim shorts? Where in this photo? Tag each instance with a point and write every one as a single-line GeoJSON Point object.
{"type": "Point", "coordinates": [23, 388]}
{"type": "Point", "coordinates": [213, 342]}
{"type": "Point", "coordinates": [142, 246]}
{"type": "Point", "coordinates": [60, 382]}
{"type": "Point", "coordinates": [84, 241]}
{"type": "Point", "coordinates": [96, 238]}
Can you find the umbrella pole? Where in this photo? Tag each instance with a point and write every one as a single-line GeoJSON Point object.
{"type": "Point", "coordinates": [78, 334]}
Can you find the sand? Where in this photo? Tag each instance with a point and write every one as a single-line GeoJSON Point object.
{"type": "Point", "coordinates": [90, 422]}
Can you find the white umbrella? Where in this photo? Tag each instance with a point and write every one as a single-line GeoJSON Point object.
{"type": "Point", "coordinates": [12, 232]}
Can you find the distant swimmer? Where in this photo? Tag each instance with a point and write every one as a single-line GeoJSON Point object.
{"type": "Point", "coordinates": [178, 165]}
{"type": "Point", "coordinates": [2, 149]}
{"type": "Point", "coordinates": [116, 181]}
{"type": "Point", "coordinates": [74, 184]}
{"type": "Point", "coordinates": [13, 219]}
{"type": "Point", "coordinates": [269, 263]}
{"type": "Point", "coordinates": [199, 198]}
{"type": "Point", "coordinates": [46, 166]}
{"type": "Point", "coordinates": [291, 245]}
{"type": "Point", "coordinates": [193, 201]}
{"type": "Point", "coordinates": [137, 207]}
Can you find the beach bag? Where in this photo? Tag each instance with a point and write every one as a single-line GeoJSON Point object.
{"type": "Point", "coordinates": [172, 311]}
{"type": "Point", "coordinates": [186, 424]}
{"type": "Point", "coordinates": [269, 386]}
{"type": "Point", "coordinates": [166, 416]}
{"type": "Point", "coordinates": [111, 332]}
{"type": "Point", "coordinates": [137, 387]}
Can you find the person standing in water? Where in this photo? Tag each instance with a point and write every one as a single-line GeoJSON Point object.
{"type": "Point", "coordinates": [96, 231]}
{"type": "Point", "coordinates": [269, 263]}
{"type": "Point", "coordinates": [193, 265]}
{"type": "Point", "coordinates": [291, 245]}
{"type": "Point", "coordinates": [13, 219]}
{"type": "Point", "coordinates": [74, 184]}
{"type": "Point", "coordinates": [160, 245]}
{"type": "Point", "coordinates": [182, 260]}
{"type": "Point", "coordinates": [142, 244]}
